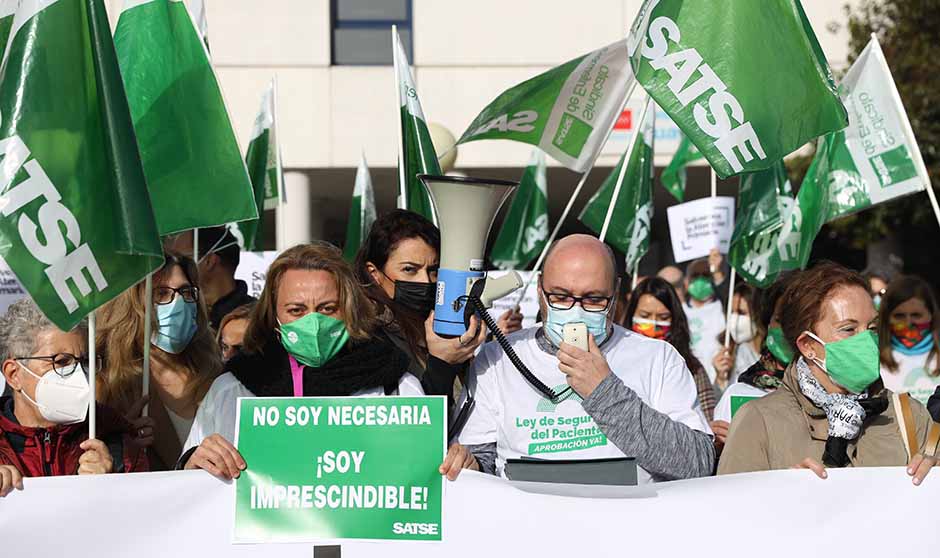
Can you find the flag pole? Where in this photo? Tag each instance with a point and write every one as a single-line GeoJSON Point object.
{"type": "Point", "coordinates": [574, 196]}
{"type": "Point", "coordinates": [730, 307]}
{"type": "Point", "coordinates": [196, 246]}
{"type": "Point", "coordinates": [623, 171]}
{"type": "Point", "coordinates": [402, 196]}
{"type": "Point", "coordinates": [714, 179]}
{"type": "Point", "coordinates": [92, 379]}
{"type": "Point", "coordinates": [148, 309]}
{"type": "Point", "coordinates": [636, 275]}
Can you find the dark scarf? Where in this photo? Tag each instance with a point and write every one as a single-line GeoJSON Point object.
{"type": "Point", "coordinates": [359, 366]}
{"type": "Point", "coordinates": [765, 374]}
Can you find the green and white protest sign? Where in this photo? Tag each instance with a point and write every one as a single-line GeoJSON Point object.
{"type": "Point", "coordinates": [190, 155]}
{"type": "Point", "coordinates": [745, 80]}
{"type": "Point", "coordinates": [876, 158]}
{"type": "Point", "coordinates": [328, 468]}
{"type": "Point", "coordinates": [76, 224]}
{"type": "Point", "coordinates": [416, 151]}
{"type": "Point", "coordinates": [525, 228]}
{"type": "Point", "coordinates": [629, 227]}
{"type": "Point", "coordinates": [566, 112]}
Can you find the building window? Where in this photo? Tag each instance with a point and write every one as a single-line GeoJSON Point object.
{"type": "Point", "coordinates": [362, 31]}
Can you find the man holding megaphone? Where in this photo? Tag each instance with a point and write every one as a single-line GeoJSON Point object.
{"type": "Point", "coordinates": [626, 395]}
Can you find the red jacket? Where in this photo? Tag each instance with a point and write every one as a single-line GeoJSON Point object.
{"type": "Point", "coordinates": [41, 452]}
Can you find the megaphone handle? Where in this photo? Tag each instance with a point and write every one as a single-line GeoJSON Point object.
{"type": "Point", "coordinates": [477, 306]}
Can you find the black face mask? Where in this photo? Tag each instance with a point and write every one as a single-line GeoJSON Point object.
{"type": "Point", "coordinates": [416, 296]}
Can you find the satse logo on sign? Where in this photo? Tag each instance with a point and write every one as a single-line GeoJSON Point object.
{"type": "Point", "coordinates": [724, 110]}
{"type": "Point", "coordinates": [50, 249]}
{"type": "Point", "coordinates": [400, 528]}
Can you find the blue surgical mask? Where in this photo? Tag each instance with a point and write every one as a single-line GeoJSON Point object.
{"type": "Point", "coordinates": [176, 325]}
{"type": "Point", "coordinates": [554, 325]}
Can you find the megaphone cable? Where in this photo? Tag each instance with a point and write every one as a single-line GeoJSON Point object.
{"type": "Point", "coordinates": [480, 310]}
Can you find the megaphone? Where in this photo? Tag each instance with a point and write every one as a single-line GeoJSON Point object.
{"type": "Point", "coordinates": [466, 208]}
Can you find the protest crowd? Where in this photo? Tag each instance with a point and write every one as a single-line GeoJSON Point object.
{"type": "Point", "coordinates": [732, 362]}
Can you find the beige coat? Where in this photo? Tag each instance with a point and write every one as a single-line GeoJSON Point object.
{"type": "Point", "coordinates": [783, 428]}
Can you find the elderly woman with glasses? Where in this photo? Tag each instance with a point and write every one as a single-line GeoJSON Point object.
{"type": "Point", "coordinates": [43, 424]}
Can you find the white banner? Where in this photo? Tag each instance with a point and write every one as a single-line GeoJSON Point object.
{"type": "Point", "coordinates": [697, 226]}
{"type": "Point", "coordinates": [856, 512]}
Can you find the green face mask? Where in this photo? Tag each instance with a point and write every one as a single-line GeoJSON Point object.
{"type": "Point", "coordinates": [701, 289]}
{"type": "Point", "coordinates": [314, 339]}
{"type": "Point", "coordinates": [853, 362]}
{"type": "Point", "coordinates": [777, 345]}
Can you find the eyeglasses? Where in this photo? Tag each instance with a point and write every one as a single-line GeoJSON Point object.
{"type": "Point", "coordinates": [564, 301]}
{"type": "Point", "coordinates": [166, 295]}
{"type": "Point", "coordinates": [62, 363]}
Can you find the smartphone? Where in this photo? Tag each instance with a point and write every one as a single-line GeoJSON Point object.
{"type": "Point", "coordinates": [575, 334]}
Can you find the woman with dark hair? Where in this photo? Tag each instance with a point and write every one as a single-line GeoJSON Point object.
{"type": "Point", "coordinates": [398, 265]}
{"type": "Point", "coordinates": [655, 311]}
{"type": "Point", "coordinates": [908, 338]}
{"type": "Point", "coordinates": [831, 409]}
{"type": "Point", "coordinates": [764, 375]}
{"type": "Point", "coordinates": [312, 333]}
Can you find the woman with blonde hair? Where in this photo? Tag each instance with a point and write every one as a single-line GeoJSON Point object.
{"type": "Point", "coordinates": [312, 333]}
{"type": "Point", "coordinates": [184, 357]}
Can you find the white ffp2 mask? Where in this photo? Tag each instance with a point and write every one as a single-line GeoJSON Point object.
{"type": "Point", "coordinates": [61, 400]}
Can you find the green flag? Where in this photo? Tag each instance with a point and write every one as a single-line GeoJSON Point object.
{"type": "Point", "coordinates": [7, 9]}
{"type": "Point", "coordinates": [416, 153]}
{"type": "Point", "coordinates": [745, 80]}
{"type": "Point", "coordinates": [674, 175]}
{"type": "Point", "coordinates": [361, 211]}
{"type": "Point", "coordinates": [525, 229]}
{"type": "Point", "coordinates": [191, 159]}
{"type": "Point", "coordinates": [629, 228]}
{"type": "Point", "coordinates": [76, 225]}
{"type": "Point", "coordinates": [566, 112]}
{"type": "Point", "coordinates": [264, 167]}
{"type": "Point", "coordinates": [774, 232]}
{"type": "Point", "coordinates": [876, 158]}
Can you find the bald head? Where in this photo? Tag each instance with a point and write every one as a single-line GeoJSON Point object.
{"type": "Point", "coordinates": [671, 274]}
{"type": "Point", "coordinates": [581, 265]}
{"type": "Point", "coordinates": [674, 276]}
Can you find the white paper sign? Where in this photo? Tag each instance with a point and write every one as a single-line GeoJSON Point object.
{"type": "Point", "coordinates": [529, 306]}
{"type": "Point", "coordinates": [253, 269]}
{"type": "Point", "coordinates": [10, 288]}
{"type": "Point", "coordinates": [697, 226]}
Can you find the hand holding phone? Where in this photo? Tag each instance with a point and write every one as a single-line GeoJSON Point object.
{"type": "Point", "coordinates": [575, 334]}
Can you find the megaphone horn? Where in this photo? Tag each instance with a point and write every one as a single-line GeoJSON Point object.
{"type": "Point", "coordinates": [466, 208]}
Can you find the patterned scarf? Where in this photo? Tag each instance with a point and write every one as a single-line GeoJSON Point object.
{"type": "Point", "coordinates": [844, 412]}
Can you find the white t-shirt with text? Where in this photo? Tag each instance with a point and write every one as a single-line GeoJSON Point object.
{"type": "Point", "coordinates": [522, 422]}
{"type": "Point", "coordinates": [912, 376]}
{"type": "Point", "coordinates": [705, 325]}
